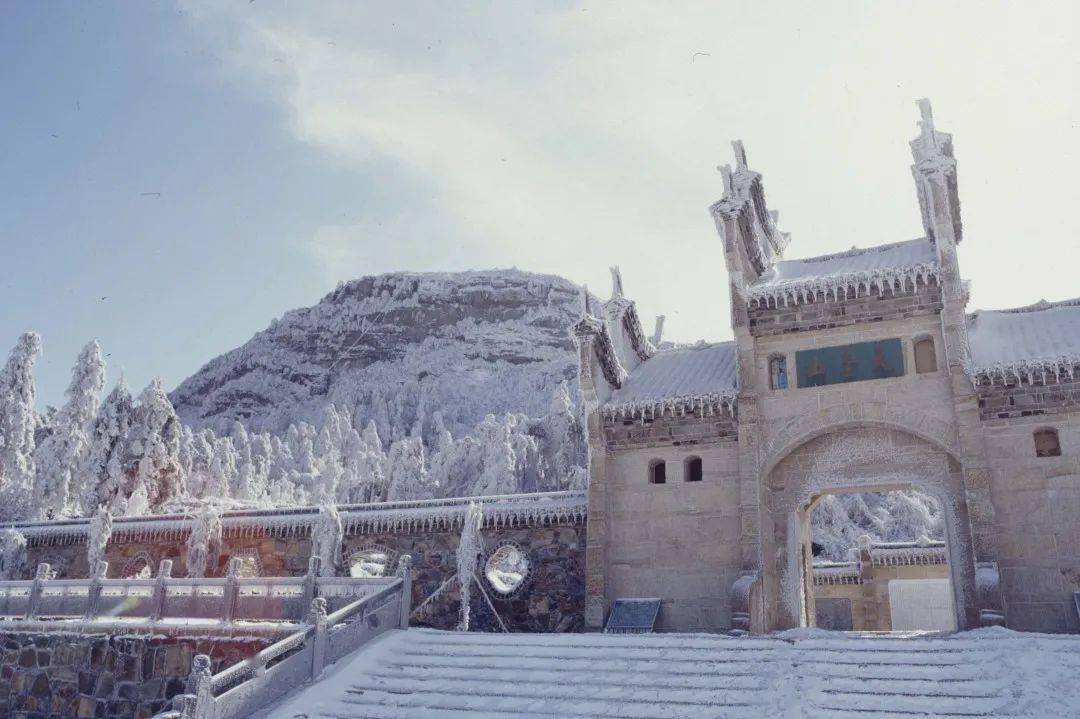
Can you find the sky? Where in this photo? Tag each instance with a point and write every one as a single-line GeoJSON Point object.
{"type": "Point", "coordinates": [176, 174]}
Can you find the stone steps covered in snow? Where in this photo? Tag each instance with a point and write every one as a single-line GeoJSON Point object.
{"type": "Point", "coordinates": [807, 673]}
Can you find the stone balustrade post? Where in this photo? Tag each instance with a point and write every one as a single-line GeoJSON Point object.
{"type": "Point", "coordinates": [185, 704]}
{"type": "Point", "coordinates": [311, 581]}
{"type": "Point", "coordinates": [41, 578]}
{"type": "Point", "coordinates": [157, 604]}
{"type": "Point", "coordinates": [198, 684]}
{"type": "Point", "coordinates": [232, 589]}
{"type": "Point", "coordinates": [93, 593]}
{"type": "Point", "coordinates": [404, 571]}
{"type": "Point", "coordinates": [317, 617]}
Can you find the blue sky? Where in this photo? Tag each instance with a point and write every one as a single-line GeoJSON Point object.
{"type": "Point", "coordinates": [295, 145]}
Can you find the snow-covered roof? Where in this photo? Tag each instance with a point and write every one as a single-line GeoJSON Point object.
{"type": "Point", "coordinates": [1026, 341]}
{"type": "Point", "coordinates": [688, 376]}
{"type": "Point", "coordinates": [885, 265]}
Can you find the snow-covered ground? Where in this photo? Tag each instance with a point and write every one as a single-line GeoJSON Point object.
{"type": "Point", "coordinates": [800, 673]}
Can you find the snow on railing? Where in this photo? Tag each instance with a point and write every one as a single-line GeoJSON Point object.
{"type": "Point", "coordinates": [804, 291]}
{"type": "Point", "coordinates": [707, 405]}
{"type": "Point", "coordinates": [898, 553]}
{"type": "Point", "coordinates": [881, 554]}
{"type": "Point", "coordinates": [837, 573]}
{"type": "Point", "coordinates": [280, 668]}
{"type": "Point", "coordinates": [158, 600]}
{"type": "Point", "coordinates": [508, 510]}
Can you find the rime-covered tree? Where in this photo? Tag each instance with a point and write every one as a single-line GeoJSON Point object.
{"type": "Point", "coordinates": [408, 477]}
{"type": "Point", "coordinates": [325, 487]}
{"type": "Point", "coordinates": [60, 456]}
{"type": "Point", "coordinates": [155, 446]}
{"type": "Point", "coordinates": [562, 445]}
{"type": "Point", "coordinates": [204, 542]}
{"type": "Point", "coordinates": [326, 537]}
{"type": "Point", "coordinates": [98, 538]}
{"type": "Point", "coordinates": [223, 469]}
{"type": "Point", "coordinates": [102, 474]}
{"type": "Point", "coordinates": [18, 421]}
{"type": "Point", "coordinates": [12, 553]}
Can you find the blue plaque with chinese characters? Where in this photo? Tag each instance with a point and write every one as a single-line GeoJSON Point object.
{"type": "Point", "coordinates": [849, 363]}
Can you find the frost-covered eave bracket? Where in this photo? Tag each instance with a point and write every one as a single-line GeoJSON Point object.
{"type": "Point", "coordinates": [507, 510]}
{"type": "Point", "coordinates": [704, 405]}
{"type": "Point", "coordinates": [1028, 370]}
{"type": "Point", "coordinates": [830, 289]}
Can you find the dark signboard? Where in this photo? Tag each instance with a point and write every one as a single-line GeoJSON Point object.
{"type": "Point", "coordinates": [849, 363]}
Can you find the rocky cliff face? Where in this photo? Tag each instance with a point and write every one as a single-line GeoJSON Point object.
{"type": "Point", "coordinates": [397, 348]}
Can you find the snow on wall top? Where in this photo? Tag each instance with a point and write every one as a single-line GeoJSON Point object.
{"type": "Point", "coordinates": [1044, 337]}
{"type": "Point", "coordinates": [682, 375]}
{"type": "Point", "coordinates": [408, 516]}
{"type": "Point", "coordinates": [873, 266]}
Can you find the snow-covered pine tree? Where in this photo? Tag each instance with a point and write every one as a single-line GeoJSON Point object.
{"type": "Point", "coordinates": [223, 469]}
{"type": "Point", "coordinates": [261, 457]}
{"type": "Point", "coordinates": [204, 542]}
{"type": "Point", "coordinates": [325, 488]}
{"type": "Point", "coordinates": [18, 420]}
{"type": "Point", "coordinates": [59, 457]}
{"type": "Point", "coordinates": [102, 472]}
{"type": "Point", "coordinates": [242, 487]}
{"type": "Point", "coordinates": [563, 449]}
{"type": "Point", "coordinates": [98, 538]}
{"type": "Point", "coordinates": [326, 537]}
{"type": "Point", "coordinates": [408, 478]}
{"type": "Point", "coordinates": [155, 446]}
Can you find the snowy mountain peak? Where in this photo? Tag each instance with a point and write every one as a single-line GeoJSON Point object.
{"type": "Point", "coordinates": [397, 348]}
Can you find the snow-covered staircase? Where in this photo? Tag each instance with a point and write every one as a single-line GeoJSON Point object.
{"type": "Point", "coordinates": [426, 673]}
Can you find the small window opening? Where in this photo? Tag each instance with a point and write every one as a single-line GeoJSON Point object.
{"type": "Point", "coordinates": [925, 358]}
{"type": "Point", "coordinates": [693, 469]}
{"type": "Point", "coordinates": [778, 373]}
{"type": "Point", "coordinates": [657, 472]}
{"type": "Point", "coordinates": [1047, 444]}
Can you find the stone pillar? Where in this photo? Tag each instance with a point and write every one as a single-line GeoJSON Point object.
{"type": "Point", "coordinates": [404, 570]}
{"type": "Point", "coordinates": [934, 171]}
{"type": "Point", "coordinates": [596, 599]}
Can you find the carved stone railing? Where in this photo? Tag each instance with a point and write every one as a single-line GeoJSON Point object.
{"type": "Point", "coordinates": [280, 668]}
{"type": "Point", "coordinates": [224, 599]}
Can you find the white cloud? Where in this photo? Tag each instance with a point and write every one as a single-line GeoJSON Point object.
{"type": "Point", "coordinates": [572, 137]}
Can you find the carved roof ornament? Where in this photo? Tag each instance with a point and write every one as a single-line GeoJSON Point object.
{"type": "Point", "coordinates": [935, 163]}
{"type": "Point", "coordinates": [742, 212]}
{"type": "Point", "coordinates": [616, 282]}
{"type": "Point", "coordinates": [658, 331]}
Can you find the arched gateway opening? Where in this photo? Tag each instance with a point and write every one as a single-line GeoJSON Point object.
{"type": "Point", "coordinates": [880, 562]}
{"type": "Point", "coordinates": [845, 460]}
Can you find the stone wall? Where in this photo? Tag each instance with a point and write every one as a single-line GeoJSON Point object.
{"type": "Point", "coordinates": [1036, 520]}
{"type": "Point", "coordinates": [678, 541]}
{"type": "Point", "coordinates": [1051, 396]}
{"type": "Point", "coordinates": [669, 430]}
{"type": "Point", "coordinates": [64, 675]}
{"type": "Point", "coordinates": [552, 597]}
{"type": "Point", "coordinates": [870, 609]}
{"type": "Point", "coordinates": [874, 306]}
